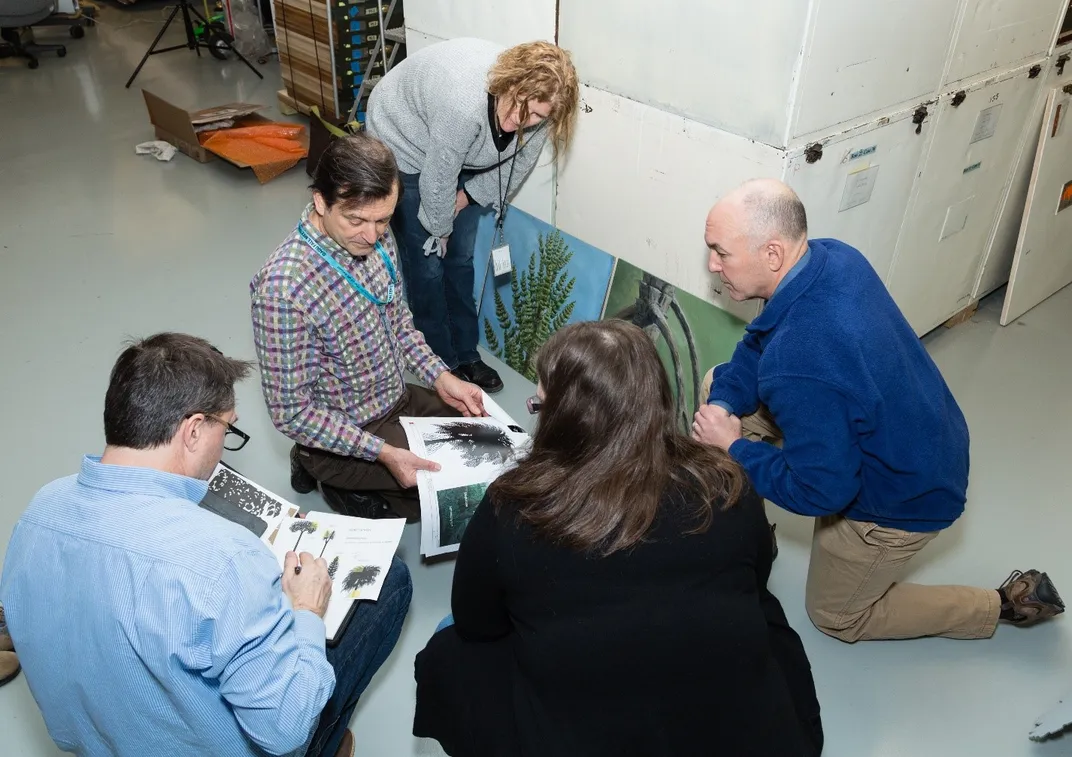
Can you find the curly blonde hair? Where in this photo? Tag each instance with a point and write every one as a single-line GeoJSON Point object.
{"type": "Point", "coordinates": [543, 72]}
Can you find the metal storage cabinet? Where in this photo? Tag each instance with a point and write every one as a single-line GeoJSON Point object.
{"type": "Point", "coordinates": [725, 64]}
{"type": "Point", "coordinates": [689, 98]}
{"type": "Point", "coordinates": [957, 194]}
{"type": "Point", "coordinates": [639, 182]}
{"type": "Point", "coordinates": [997, 261]}
{"type": "Point", "coordinates": [865, 60]}
{"type": "Point", "coordinates": [996, 35]}
{"type": "Point", "coordinates": [858, 191]}
{"type": "Point", "coordinates": [1043, 261]}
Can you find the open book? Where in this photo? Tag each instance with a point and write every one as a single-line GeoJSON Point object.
{"type": "Point", "coordinates": [473, 452]}
{"type": "Point", "coordinates": [359, 551]}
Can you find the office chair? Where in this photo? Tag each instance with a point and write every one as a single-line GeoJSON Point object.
{"type": "Point", "coordinates": [17, 15]}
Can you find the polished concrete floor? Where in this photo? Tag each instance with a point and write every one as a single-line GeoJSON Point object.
{"type": "Point", "coordinates": [98, 244]}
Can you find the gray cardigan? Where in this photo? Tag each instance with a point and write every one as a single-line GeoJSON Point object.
{"type": "Point", "coordinates": [432, 111]}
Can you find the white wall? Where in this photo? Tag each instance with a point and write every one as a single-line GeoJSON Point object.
{"type": "Point", "coordinates": [639, 183]}
{"type": "Point", "coordinates": [864, 59]}
{"type": "Point", "coordinates": [725, 64]}
{"type": "Point", "coordinates": [508, 22]}
{"type": "Point", "coordinates": [418, 40]}
{"type": "Point", "coordinates": [997, 34]}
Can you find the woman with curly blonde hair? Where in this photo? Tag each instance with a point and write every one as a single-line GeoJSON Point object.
{"type": "Point", "coordinates": [467, 121]}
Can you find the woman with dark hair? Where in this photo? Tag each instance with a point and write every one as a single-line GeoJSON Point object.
{"type": "Point", "coordinates": [610, 594]}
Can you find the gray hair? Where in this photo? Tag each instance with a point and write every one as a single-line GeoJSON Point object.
{"type": "Point", "coordinates": [159, 382]}
{"type": "Point", "coordinates": [774, 211]}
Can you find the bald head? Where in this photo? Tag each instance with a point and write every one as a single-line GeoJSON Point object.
{"type": "Point", "coordinates": [767, 209]}
{"type": "Point", "coordinates": [756, 234]}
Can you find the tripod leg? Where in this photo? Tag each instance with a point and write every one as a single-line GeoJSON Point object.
{"type": "Point", "coordinates": [152, 47]}
{"type": "Point", "coordinates": [248, 63]}
{"type": "Point", "coordinates": [243, 59]}
{"type": "Point", "coordinates": [191, 38]}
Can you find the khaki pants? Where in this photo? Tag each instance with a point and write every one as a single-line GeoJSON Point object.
{"type": "Point", "coordinates": [355, 474]}
{"type": "Point", "coordinates": [854, 591]}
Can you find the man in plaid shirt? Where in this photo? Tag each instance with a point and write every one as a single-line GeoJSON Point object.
{"type": "Point", "coordinates": [334, 338]}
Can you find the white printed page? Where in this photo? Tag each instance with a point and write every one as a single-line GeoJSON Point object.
{"type": "Point", "coordinates": [359, 552]}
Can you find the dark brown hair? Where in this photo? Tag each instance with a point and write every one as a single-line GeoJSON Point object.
{"type": "Point", "coordinates": [159, 381]}
{"type": "Point", "coordinates": [356, 169]}
{"type": "Point", "coordinates": [606, 448]}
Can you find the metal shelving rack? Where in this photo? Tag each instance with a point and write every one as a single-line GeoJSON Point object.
{"type": "Point", "coordinates": [386, 34]}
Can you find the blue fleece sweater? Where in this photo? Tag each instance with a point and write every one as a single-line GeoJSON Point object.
{"type": "Point", "coordinates": [871, 431]}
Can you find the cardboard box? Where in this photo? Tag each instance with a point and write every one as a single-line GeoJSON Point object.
{"type": "Point", "coordinates": [177, 126]}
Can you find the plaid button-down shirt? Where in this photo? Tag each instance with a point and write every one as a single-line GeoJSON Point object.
{"type": "Point", "coordinates": [331, 361]}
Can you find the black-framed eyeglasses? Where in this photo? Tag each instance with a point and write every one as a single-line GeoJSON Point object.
{"type": "Point", "coordinates": [240, 437]}
{"type": "Point", "coordinates": [534, 403]}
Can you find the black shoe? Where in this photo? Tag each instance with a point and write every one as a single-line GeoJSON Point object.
{"type": "Point", "coordinates": [356, 504]}
{"type": "Point", "coordinates": [301, 480]}
{"type": "Point", "coordinates": [481, 374]}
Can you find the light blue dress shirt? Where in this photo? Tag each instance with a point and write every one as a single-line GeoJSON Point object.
{"type": "Point", "coordinates": [147, 625]}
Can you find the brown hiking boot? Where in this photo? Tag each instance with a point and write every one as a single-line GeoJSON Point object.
{"type": "Point", "coordinates": [1028, 597]}
{"type": "Point", "coordinates": [9, 661]}
{"type": "Point", "coordinates": [346, 746]}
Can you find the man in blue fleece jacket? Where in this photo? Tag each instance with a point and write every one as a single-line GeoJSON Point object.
{"type": "Point", "coordinates": [867, 437]}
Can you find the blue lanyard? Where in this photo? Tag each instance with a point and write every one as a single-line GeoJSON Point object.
{"type": "Point", "coordinates": [349, 276]}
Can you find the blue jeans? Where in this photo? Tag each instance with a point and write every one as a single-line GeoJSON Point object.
{"type": "Point", "coordinates": [364, 647]}
{"type": "Point", "coordinates": [439, 291]}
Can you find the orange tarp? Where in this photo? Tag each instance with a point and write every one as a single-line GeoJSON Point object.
{"type": "Point", "coordinates": [269, 149]}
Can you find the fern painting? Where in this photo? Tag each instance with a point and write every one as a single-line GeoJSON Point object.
{"type": "Point", "coordinates": [557, 279]}
{"type": "Point", "coordinates": [541, 298]}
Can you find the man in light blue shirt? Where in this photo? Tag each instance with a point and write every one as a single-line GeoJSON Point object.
{"type": "Point", "coordinates": [147, 625]}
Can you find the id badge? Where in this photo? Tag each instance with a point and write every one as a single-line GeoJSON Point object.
{"type": "Point", "coordinates": [500, 260]}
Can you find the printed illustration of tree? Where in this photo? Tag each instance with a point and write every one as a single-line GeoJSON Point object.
{"type": "Point", "coordinates": [301, 528]}
{"type": "Point", "coordinates": [541, 305]}
{"type": "Point", "coordinates": [328, 536]}
{"type": "Point", "coordinates": [361, 576]}
{"type": "Point", "coordinates": [477, 442]}
{"type": "Point", "coordinates": [333, 568]}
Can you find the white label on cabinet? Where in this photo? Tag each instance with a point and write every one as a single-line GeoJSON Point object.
{"type": "Point", "coordinates": [987, 123]}
{"type": "Point", "coordinates": [858, 188]}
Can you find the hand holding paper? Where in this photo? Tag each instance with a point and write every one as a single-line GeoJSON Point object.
{"type": "Point", "coordinates": [466, 398]}
{"type": "Point", "coordinates": [404, 465]}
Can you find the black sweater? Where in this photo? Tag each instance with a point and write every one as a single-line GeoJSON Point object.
{"type": "Point", "coordinates": [672, 648]}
